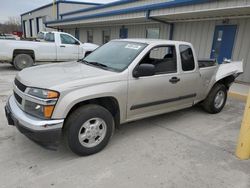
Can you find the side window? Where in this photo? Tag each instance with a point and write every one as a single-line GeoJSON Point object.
{"type": "Point", "coordinates": [163, 58]}
{"type": "Point", "coordinates": [49, 37]}
{"type": "Point", "coordinates": [187, 58]}
{"type": "Point", "coordinates": [66, 39]}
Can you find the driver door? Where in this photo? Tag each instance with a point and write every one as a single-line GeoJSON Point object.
{"type": "Point", "coordinates": [151, 95]}
{"type": "Point", "coordinates": [68, 49]}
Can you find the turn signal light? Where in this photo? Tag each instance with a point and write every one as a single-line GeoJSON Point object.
{"type": "Point", "coordinates": [52, 94]}
{"type": "Point", "coordinates": [47, 111]}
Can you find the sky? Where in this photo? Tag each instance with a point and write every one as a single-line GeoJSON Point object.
{"type": "Point", "coordinates": [14, 8]}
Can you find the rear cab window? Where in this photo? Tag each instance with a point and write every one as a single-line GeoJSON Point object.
{"type": "Point", "coordinates": [187, 58]}
{"type": "Point", "coordinates": [49, 37]}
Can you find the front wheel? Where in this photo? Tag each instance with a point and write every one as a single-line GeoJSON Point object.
{"type": "Point", "coordinates": [216, 99]}
{"type": "Point", "coordinates": [22, 61]}
{"type": "Point", "coordinates": [89, 129]}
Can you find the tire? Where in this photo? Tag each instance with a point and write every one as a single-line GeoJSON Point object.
{"type": "Point", "coordinates": [216, 99]}
{"type": "Point", "coordinates": [82, 127]}
{"type": "Point", "coordinates": [22, 61]}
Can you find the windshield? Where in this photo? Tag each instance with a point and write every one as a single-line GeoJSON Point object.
{"type": "Point", "coordinates": [116, 55]}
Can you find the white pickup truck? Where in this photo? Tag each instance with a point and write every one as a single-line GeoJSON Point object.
{"type": "Point", "coordinates": [56, 47]}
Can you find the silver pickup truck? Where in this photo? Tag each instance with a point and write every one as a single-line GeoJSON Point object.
{"type": "Point", "coordinates": [122, 81]}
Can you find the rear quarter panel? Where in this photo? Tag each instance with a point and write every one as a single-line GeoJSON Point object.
{"type": "Point", "coordinates": [207, 81]}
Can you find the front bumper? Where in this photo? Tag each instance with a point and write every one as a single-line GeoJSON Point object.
{"type": "Point", "coordinates": [42, 131]}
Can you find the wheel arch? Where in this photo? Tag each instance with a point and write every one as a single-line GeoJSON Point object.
{"type": "Point", "coordinates": [226, 81]}
{"type": "Point", "coordinates": [16, 52]}
{"type": "Point", "coordinates": [109, 102]}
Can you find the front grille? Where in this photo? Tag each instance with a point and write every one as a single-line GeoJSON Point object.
{"type": "Point", "coordinates": [20, 86]}
{"type": "Point", "coordinates": [18, 98]}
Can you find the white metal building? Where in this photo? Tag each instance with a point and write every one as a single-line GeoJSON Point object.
{"type": "Point", "coordinates": [217, 28]}
{"type": "Point", "coordinates": [34, 20]}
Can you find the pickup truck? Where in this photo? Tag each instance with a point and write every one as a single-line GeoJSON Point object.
{"type": "Point", "coordinates": [122, 81]}
{"type": "Point", "coordinates": [56, 47]}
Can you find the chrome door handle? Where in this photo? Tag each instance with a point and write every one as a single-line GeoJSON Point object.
{"type": "Point", "coordinates": [62, 46]}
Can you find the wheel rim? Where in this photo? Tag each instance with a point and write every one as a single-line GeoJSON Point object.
{"type": "Point", "coordinates": [219, 99]}
{"type": "Point", "coordinates": [23, 63]}
{"type": "Point", "coordinates": [92, 132]}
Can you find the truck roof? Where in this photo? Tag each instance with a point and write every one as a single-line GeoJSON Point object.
{"type": "Point", "coordinates": [154, 41]}
{"type": "Point", "coordinates": [53, 32]}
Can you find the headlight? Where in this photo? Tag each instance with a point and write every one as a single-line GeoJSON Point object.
{"type": "Point", "coordinates": [43, 93]}
{"type": "Point", "coordinates": [42, 106]}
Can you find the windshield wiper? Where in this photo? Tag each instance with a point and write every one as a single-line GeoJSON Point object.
{"type": "Point", "coordinates": [97, 64]}
{"type": "Point", "coordinates": [94, 63]}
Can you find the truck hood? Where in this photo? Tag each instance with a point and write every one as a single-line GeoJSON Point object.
{"type": "Point", "coordinates": [89, 46]}
{"type": "Point", "coordinates": [59, 75]}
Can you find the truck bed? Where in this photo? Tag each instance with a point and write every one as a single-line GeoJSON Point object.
{"type": "Point", "coordinates": [204, 63]}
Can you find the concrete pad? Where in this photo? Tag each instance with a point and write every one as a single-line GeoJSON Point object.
{"type": "Point", "coordinates": [239, 91]}
{"type": "Point", "coordinates": [188, 148]}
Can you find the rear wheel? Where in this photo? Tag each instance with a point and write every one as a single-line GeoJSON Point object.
{"type": "Point", "coordinates": [22, 61]}
{"type": "Point", "coordinates": [89, 129]}
{"type": "Point", "coordinates": [216, 99]}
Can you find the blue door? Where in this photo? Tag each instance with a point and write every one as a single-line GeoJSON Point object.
{"type": "Point", "coordinates": [223, 42]}
{"type": "Point", "coordinates": [123, 33]}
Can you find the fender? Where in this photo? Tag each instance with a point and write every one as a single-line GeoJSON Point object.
{"type": "Point", "coordinates": [72, 98]}
{"type": "Point", "coordinates": [233, 68]}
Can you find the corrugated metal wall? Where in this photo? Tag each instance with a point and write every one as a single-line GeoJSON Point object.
{"type": "Point", "coordinates": [200, 34]}
{"type": "Point", "coordinates": [47, 14]}
{"type": "Point", "coordinates": [211, 5]}
{"type": "Point", "coordinates": [134, 31]}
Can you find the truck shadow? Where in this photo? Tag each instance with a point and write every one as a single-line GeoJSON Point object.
{"type": "Point", "coordinates": [7, 67]}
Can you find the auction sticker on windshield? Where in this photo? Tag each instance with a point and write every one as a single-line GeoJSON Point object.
{"type": "Point", "coordinates": [133, 46]}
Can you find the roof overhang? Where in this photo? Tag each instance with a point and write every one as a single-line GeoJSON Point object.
{"type": "Point", "coordinates": [131, 10]}
{"type": "Point", "coordinates": [211, 14]}
{"type": "Point", "coordinates": [58, 2]}
{"type": "Point", "coordinates": [131, 16]}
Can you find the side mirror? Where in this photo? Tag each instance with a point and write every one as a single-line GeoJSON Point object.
{"type": "Point", "coordinates": [144, 70]}
{"type": "Point", "coordinates": [77, 43]}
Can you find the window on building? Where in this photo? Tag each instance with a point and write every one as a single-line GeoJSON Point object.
{"type": "Point", "coordinates": [90, 38]}
{"type": "Point", "coordinates": [163, 58]}
{"type": "Point", "coordinates": [187, 58]}
{"type": "Point", "coordinates": [153, 33]}
{"type": "Point", "coordinates": [49, 37]}
{"type": "Point", "coordinates": [24, 28]}
{"type": "Point", "coordinates": [77, 33]}
{"type": "Point", "coordinates": [66, 39]}
{"type": "Point", "coordinates": [31, 27]}
{"type": "Point", "coordinates": [123, 33]}
{"type": "Point", "coordinates": [105, 36]}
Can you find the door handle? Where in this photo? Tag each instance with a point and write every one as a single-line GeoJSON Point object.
{"type": "Point", "coordinates": [62, 46]}
{"type": "Point", "coordinates": [174, 80]}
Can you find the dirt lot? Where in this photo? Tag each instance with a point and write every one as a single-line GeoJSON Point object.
{"type": "Point", "coordinates": [188, 148]}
